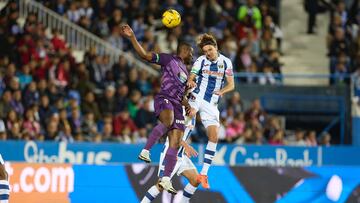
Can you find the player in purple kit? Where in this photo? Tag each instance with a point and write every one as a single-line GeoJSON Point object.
{"type": "Point", "coordinates": [168, 106]}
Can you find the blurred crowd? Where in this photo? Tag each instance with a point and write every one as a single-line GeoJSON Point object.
{"type": "Point", "coordinates": [252, 125]}
{"type": "Point", "coordinates": [247, 30]}
{"type": "Point", "coordinates": [343, 39]}
{"type": "Point", "coordinates": [47, 95]}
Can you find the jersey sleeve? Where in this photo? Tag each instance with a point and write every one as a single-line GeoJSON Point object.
{"type": "Point", "coordinates": [196, 66]}
{"type": "Point", "coordinates": [229, 70]}
{"type": "Point", "coordinates": [161, 59]}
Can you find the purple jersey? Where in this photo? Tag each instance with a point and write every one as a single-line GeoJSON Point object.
{"type": "Point", "coordinates": [174, 75]}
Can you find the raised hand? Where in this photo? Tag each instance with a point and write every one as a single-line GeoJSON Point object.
{"type": "Point", "coordinates": [191, 84]}
{"type": "Point", "coordinates": [126, 31]}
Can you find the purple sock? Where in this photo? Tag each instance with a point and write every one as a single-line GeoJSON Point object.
{"type": "Point", "coordinates": [170, 161]}
{"type": "Point", "coordinates": [159, 130]}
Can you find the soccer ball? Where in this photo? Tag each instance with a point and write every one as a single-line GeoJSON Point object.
{"type": "Point", "coordinates": [171, 18]}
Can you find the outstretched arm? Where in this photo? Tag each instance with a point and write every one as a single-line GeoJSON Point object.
{"type": "Point", "coordinates": [189, 150]}
{"type": "Point", "coordinates": [191, 81]}
{"type": "Point", "coordinates": [230, 86]}
{"type": "Point", "coordinates": [126, 31]}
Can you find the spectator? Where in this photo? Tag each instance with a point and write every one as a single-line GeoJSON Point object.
{"type": "Point", "coordinates": [107, 133]}
{"type": "Point", "coordinates": [134, 103]}
{"type": "Point", "coordinates": [89, 126]}
{"type": "Point", "coordinates": [121, 69]}
{"type": "Point", "coordinates": [63, 120]}
{"type": "Point", "coordinates": [16, 103]}
{"type": "Point", "coordinates": [116, 19]}
{"type": "Point", "coordinates": [107, 104]}
{"type": "Point", "coordinates": [273, 125]}
{"type": "Point", "coordinates": [276, 31]}
{"type": "Point", "coordinates": [256, 112]}
{"type": "Point", "coordinates": [101, 26]}
{"type": "Point", "coordinates": [60, 7]}
{"type": "Point", "coordinates": [11, 119]}
{"type": "Point", "coordinates": [267, 78]}
{"type": "Point", "coordinates": [85, 85]}
{"type": "Point", "coordinates": [299, 139]}
{"type": "Point", "coordinates": [142, 136]}
{"type": "Point", "coordinates": [250, 11]}
{"type": "Point", "coordinates": [311, 138]}
{"type": "Point", "coordinates": [44, 109]}
{"type": "Point", "coordinates": [75, 121]}
{"type": "Point", "coordinates": [245, 137]}
{"type": "Point", "coordinates": [236, 103]}
{"type": "Point", "coordinates": [325, 139]}
{"type": "Point", "coordinates": [25, 77]}
{"type": "Point", "coordinates": [121, 122]}
{"type": "Point", "coordinates": [267, 42]}
{"type": "Point", "coordinates": [52, 131]}
{"type": "Point", "coordinates": [259, 138]}
{"type": "Point", "coordinates": [5, 103]}
{"type": "Point", "coordinates": [15, 132]}
{"type": "Point", "coordinates": [73, 13]}
{"type": "Point", "coordinates": [311, 7]}
{"type": "Point", "coordinates": [209, 13]}
{"type": "Point", "coordinates": [64, 135]}
{"type": "Point", "coordinates": [115, 39]}
{"type": "Point", "coordinates": [278, 138]}
{"type": "Point", "coordinates": [121, 98]}
{"type": "Point", "coordinates": [30, 125]}
{"type": "Point", "coordinates": [96, 72]}
{"type": "Point", "coordinates": [143, 83]}
{"type": "Point", "coordinates": [86, 9]}
{"type": "Point", "coordinates": [236, 127]}
{"type": "Point", "coordinates": [145, 118]}
{"type": "Point", "coordinates": [89, 105]}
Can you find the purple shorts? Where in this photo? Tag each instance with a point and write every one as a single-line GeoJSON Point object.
{"type": "Point", "coordinates": [161, 103]}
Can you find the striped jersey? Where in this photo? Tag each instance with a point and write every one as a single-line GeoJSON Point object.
{"type": "Point", "coordinates": [210, 76]}
{"type": "Point", "coordinates": [174, 75]}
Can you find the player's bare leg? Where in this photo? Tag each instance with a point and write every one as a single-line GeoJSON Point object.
{"type": "Point", "coordinates": [175, 137]}
{"type": "Point", "coordinates": [191, 187]}
{"type": "Point", "coordinates": [166, 118]}
{"type": "Point", "coordinates": [4, 183]}
{"type": "Point", "coordinates": [212, 132]}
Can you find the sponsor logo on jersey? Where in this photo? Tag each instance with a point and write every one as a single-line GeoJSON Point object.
{"type": "Point", "coordinates": [213, 73]}
{"type": "Point", "coordinates": [182, 77]}
{"type": "Point", "coordinates": [179, 121]}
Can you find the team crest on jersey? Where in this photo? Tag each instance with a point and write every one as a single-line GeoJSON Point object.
{"type": "Point", "coordinates": [182, 77]}
{"type": "Point", "coordinates": [221, 66]}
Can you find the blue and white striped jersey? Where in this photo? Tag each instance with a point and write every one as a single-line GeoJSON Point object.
{"type": "Point", "coordinates": [211, 76]}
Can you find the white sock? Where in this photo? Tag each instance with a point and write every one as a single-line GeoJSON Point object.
{"type": "Point", "coordinates": [189, 190]}
{"type": "Point", "coordinates": [151, 194]}
{"type": "Point", "coordinates": [4, 191]}
{"type": "Point", "coordinates": [209, 155]}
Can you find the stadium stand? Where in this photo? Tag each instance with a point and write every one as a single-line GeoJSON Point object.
{"type": "Point", "coordinates": [48, 95]}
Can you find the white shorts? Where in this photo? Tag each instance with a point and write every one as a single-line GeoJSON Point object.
{"type": "Point", "coordinates": [209, 112]}
{"type": "Point", "coordinates": [183, 164]}
{"type": "Point", "coordinates": [1, 160]}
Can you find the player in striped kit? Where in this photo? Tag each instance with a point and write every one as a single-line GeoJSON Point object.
{"type": "Point", "coordinates": [183, 167]}
{"type": "Point", "coordinates": [210, 71]}
{"type": "Point", "coordinates": [4, 183]}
